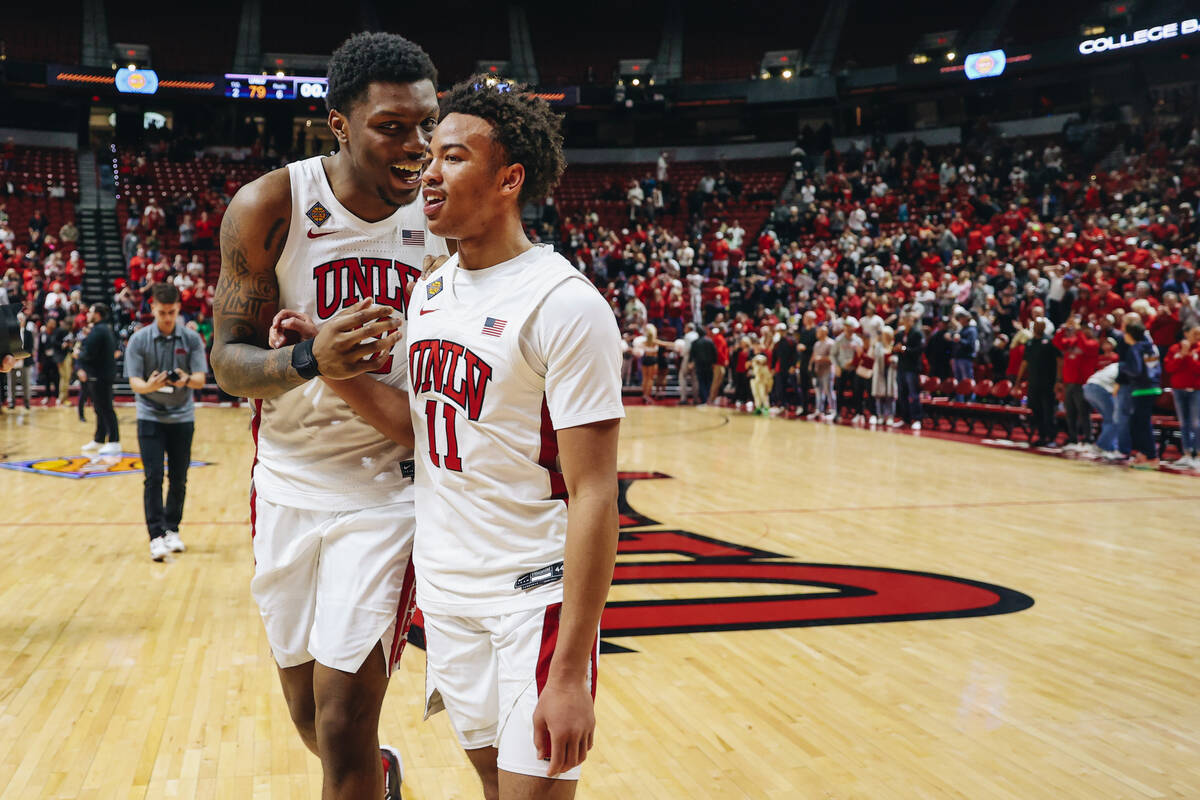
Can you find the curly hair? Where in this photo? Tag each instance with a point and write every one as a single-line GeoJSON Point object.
{"type": "Point", "coordinates": [367, 57]}
{"type": "Point", "coordinates": [522, 123]}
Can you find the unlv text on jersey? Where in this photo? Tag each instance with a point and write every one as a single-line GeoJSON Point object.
{"type": "Point", "coordinates": [343, 282]}
{"type": "Point", "coordinates": [451, 370]}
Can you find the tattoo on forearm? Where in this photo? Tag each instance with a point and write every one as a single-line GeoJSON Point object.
{"type": "Point", "coordinates": [244, 302]}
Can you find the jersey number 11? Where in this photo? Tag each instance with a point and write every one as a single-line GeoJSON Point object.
{"type": "Point", "coordinates": [449, 417]}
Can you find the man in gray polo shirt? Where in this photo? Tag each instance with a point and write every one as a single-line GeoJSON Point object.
{"type": "Point", "coordinates": [165, 363]}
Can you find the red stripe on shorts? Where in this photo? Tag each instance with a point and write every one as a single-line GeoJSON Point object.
{"type": "Point", "coordinates": [404, 614]}
{"type": "Point", "coordinates": [550, 625]}
{"type": "Point", "coordinates": [549, 640]}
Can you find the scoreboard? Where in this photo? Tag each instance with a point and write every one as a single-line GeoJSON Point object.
{"type": "Point", "coordinates": [273, 87]}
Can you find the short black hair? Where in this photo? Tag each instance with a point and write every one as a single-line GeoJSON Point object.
{"type": "Point", "coordinates": [1136, 330]}
{"type": "Point", "coordinates": [522, 124]}
{"type": "Point", "coordinates": [165, 293]}
{"type": "Point", "coordinates": [102, 309]}
{"type": "Point", "coordinates": [370, 57]}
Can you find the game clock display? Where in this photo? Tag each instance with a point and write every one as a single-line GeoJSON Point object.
{"type": "Point", "coordinates": [272, 87]}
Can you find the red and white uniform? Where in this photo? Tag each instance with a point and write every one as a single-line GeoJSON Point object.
{"type": "Point", "coordinates": [332, 496]}
{"type": "Point", "coordinates": [500, 359]}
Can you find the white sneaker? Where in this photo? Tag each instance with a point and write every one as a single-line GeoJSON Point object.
{"type": "Point", "coordinates": [159, 549]}
{"type": "Point", "coordinates": [174, 542]}
{"type": "Point", "coordinates": [90, 447]}
{"type": "Point", "coordinates": [874, 420]}
{"type": "Point", "coordinates": [814, 415]}
{"type": "Point", "coordinates": [829, 417]}
{"type": "Point", "coordinates": [916, 426]}
{"type": "Point", "coordinates": [111, 449]}
{"type": "Point", "coordinates": [897, 423]}
{"type": "Point", "coordinates": [858, 419]}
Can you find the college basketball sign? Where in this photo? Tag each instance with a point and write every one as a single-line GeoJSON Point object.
{"type": "Point", "coordinates": [809, 595]}
{"type": "Point", "coordinates": [83, 467]}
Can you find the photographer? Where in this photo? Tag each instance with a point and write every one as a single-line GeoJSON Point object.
{"type": "Point", "coordinates": [165, 363]}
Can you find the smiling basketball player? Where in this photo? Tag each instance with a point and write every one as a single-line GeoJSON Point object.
{"type": "Point", "coordinates": [331, 498]}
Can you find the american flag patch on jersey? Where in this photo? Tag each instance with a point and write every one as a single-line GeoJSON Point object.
{"type": "Point", "coordinates": [412, 238]}
{"type": "Point", "coordinates": [493, 326]}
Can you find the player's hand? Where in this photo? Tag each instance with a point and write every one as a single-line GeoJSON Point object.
{"type": "Point", "coordinates": [341, 347]}
{"type": "Point", "coordinates": [564, 724]}
{"type": "Point", "coordinates": [290, 327]}
{"type": "Point", "coordinates": [428, 266]}
{"type": "Point", "coordinates": [430, 263]}
{"type": "Point", "coordinates": [7, 363]}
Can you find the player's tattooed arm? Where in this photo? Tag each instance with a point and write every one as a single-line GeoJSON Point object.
{"type": "Point", "coordinates": [253, 234]}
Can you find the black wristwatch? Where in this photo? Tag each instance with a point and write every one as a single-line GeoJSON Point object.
{"type": "Point", "coordinates": [304, 361]}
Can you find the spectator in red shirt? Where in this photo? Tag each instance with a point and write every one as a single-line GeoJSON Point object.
{"type": "Point", "coordinates": [1182, 366]}
{"type": "Point", "coordinates": [204, 232]}
{"type": "Point", "coordinates": [1105, 301]}
{"type": "Point", "coordinates": [1081, 351]}
{"type": "Point", "coordinates": [138, 266]}
{"type": "Point", "coordinates": [1165, 326]}
{"type": "Point", "coordinates": [718, 384]}
{"type": "Point", "coordinates": [152, 216]}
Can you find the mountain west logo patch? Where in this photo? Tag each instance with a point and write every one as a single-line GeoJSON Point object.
{"type": "Point", "coordinates": [78, 467]}
{"type": "Point", "coordinates": [433, 289]}
{"type": "Point", "coordinates": [318, 214]}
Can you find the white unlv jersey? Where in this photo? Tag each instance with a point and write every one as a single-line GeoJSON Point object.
{"type": "Point", "coordinates": [312, 451]}
{"type": "Point", "coordinates": [486, 397]}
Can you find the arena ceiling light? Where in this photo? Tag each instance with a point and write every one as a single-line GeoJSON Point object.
{"type": "Point", "coordinates": [635, 69]}
{"type": "Point", "coordinates": [781, 63]}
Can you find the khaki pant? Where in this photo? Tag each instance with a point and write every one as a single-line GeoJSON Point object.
{"type": "Point", "coordinates": [66, 374]}
{"type": "Point", "coordinates": [718, 384]}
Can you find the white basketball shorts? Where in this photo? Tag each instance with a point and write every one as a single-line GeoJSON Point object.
{"type": "Point", "coordinates": [487, 672]}
{"type": "Point", "coordinates": [332, 584]}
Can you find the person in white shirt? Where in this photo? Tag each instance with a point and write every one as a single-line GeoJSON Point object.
{"type": "Point", "coordinates": [686, 256]}
{"type": "Point", "coordinates": [736, 234]}
{"type": "Point", "coordinates": [636, 198]}
{"type": "Point", "coordinates": [695, 282]}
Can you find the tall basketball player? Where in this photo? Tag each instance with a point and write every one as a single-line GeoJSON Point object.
{"type": "Point", "coordinates": [332, 499]}
{"type": "Point", "coordinates": [515, 370]}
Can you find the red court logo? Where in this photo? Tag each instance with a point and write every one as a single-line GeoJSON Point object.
{"type": "Point", "coordinates": [845, 594]}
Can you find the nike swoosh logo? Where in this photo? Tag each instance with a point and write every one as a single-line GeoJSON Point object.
{"type": "Point", "coordinates": [425, 311]}
{"type": "Point", "coordinates": [314, 235]}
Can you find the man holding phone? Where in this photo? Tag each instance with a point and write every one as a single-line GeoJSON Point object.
{"type": "Point", "coordinates": [165, 363]}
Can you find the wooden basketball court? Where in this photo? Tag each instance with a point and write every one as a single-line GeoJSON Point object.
{"type": "Point", "coordinates": [123, 678]}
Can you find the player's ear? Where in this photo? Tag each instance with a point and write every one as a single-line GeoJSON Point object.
{"type": "Point", "coordinates": [340, 126]}
{"type": "Point", "coordinates": [512, 178]}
